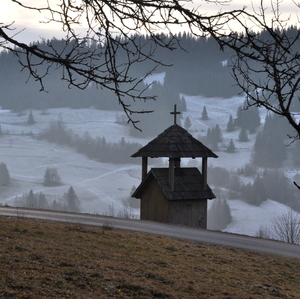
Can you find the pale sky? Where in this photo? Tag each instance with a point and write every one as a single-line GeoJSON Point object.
{"type": "Point", "coordinates": [30, 20]}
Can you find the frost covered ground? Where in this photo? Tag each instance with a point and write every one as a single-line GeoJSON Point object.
{"type": "Point", "coordinates": [102, 185]}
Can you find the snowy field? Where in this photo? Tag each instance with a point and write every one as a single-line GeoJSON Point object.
{"type": "Point", "coordinates": [102, 185]}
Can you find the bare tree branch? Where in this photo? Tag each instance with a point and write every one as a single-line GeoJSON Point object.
{"type": "Point", "coordinates": [296, 185]}
{"type": "Point", "coordinates": [112, 28]}
{"type": "Point", "coordinates": [265, 66]}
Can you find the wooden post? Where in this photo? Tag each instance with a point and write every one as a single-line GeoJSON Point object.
{"type": "Point", "coordinates": [144, 167]}
{"type": "Point", "coordinates": [177, 163]}
{"type": "Point", "coordinates": [204, 172]}
{"type": "Point", "coordinates": [171, 173]}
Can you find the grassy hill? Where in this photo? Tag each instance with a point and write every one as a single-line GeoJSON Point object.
{"type": "Point", "coordinates": [55, 260]}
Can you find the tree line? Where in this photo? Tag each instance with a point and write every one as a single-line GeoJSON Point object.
{"type": "Point", "coordinates": [201, 69]}
{"type": "Point", "coordinates": [272, 145]}
{"type": "Point", "coordinates": [69, 201]}
{"type": "Point", "coordinates": [196, 70]}
{"type": "Point", "coordinates": [265, 184]}
{"type": "Point", "coordinates": [94, 148]}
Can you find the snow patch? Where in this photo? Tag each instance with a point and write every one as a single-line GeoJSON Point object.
{"type": "Point", "coordinates": [158, 78]}
{"type": "Point", "coordinates": [248, 219]}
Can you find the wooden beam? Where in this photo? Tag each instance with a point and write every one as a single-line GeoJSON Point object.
{"type": "Point", "coordinates": [171, 173]}
{"type": "Point", "coordinates": [144, 167]}
{"type": "Point", "coordinates": [204, 173]}
{"type": "Point", "coordinates": [177, 163]}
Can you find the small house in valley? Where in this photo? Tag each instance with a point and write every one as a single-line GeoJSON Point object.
{"type": "Point", "coordinates": [175, 194]}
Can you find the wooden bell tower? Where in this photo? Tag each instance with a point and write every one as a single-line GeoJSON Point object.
{"type": "Point", "coordinates": [174, 194]}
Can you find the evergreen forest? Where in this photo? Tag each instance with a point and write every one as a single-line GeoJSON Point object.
{"type": "Point", "coordinates": [198, 68]}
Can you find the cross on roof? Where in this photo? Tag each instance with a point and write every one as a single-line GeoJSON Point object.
{"type": "Point", "coordinates": [175, 113]}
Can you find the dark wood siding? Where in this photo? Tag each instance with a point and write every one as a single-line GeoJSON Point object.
{"type": "Point", "coordinates": [154, 204]}
{"type": "Point", "coordinates": [156, 207]}
{"type": "Point", "coordinates": [191, 213]}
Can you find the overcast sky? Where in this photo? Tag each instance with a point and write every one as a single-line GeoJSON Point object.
{"type": "Point", "coordinates": [30, 20]}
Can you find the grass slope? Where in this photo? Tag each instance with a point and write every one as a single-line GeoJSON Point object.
{"type": "Point", "coordinates": [55, 260]}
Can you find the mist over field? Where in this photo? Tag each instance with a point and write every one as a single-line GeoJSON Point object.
{"type": "Point", "coordinates": [84, 137]}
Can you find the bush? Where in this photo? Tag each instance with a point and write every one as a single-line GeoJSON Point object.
{"type": "Point", "coordinates": [219, 215]}
{"type": "Point", "coordinates": [285, 228]}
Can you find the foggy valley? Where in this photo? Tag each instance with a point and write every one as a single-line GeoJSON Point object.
{"type": "Point", "coordinates": [85, 138]}
{"type": "Point", "coordinates": [105, 188]}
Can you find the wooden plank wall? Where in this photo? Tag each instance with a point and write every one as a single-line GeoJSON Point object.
{"type": "Point", "coordinates": [191, 213]}
{"type": "Point", "coordinates": [154, 205]}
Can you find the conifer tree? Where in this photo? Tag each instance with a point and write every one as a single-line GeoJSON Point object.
{"type": "Point", "coordinates": [31, 200]}
{"type": "Point", "coordinates": [4, 175]}
{"type": "Point", "coordinates": [214, 136]}
{"type": "Point", "coordinates": [182, 105]}
{"type": "Point", "coordinates": [42, 202]}
{"type": "Point", "coordinates": [247, 118]}
{"type": "Point", "coordinates": [259, 193]}
{"type": "Point", "coordinates": [243, 136]}
{"type": "Point", "coordinates": [204, 115]}
{"type": "Point", "coordinates": [230, 124]}
{"type": "Point", "coordinates": [208, 136]}
{"type": "Point", "coordinates": [72, 201]}
{"type": "Point", "coordinates": [270, 149]}
{"type": "Point", "coordinates": [187, 123]}
{"type": "Point", "coordinates": [217, 133]}
{"type": "Point", "coordinates": [253, 119]}
{"type": "Point", "coordinates": [239, 117]}
{"type": "Point", "coordinates": [231, 147]}
{"type": "Point", "coordinates": [30, 120]}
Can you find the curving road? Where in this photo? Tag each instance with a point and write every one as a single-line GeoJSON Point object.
{"type": "Point", "coordinates": [205, 236]}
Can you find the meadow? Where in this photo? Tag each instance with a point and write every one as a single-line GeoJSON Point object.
{"type": "Point", "coordinates": [56, 260]}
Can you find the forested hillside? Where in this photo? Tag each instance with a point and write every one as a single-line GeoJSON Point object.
{"type": "Point", "coordinates": [200, 68]}
{"type": "Point", "coordinates": [197, 67]}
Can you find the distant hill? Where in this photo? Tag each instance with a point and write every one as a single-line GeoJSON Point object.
{"type": "Point", "coordinates": [200, 69]}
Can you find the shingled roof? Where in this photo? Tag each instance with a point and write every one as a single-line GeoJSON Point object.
{"type": "Point", "coordinates": [175, 142]}
{"type": "Point", "coordinates": [187, 184]}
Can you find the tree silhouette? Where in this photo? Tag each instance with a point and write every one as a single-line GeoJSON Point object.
{"type": "Point", "coordinates": [217, 134]}
{"type": "Point", "coordinates": [72, 201]}
{"type": "Point", "coordinates": [204, 115]}
{"type": "Point", "coordinates": [259, 193]}
{"type": "Point", "coordinates": [51, 177]}
{"type": "Point", "coordinates": [230, 125]}
{"type": "Point", "coordinates": [270, 149]}
{"type": "Point", "coordinates": [31, 200]}
{"type": "Point", "coordinates": [4, 175]}
{"type": "Point", "coordinates": [219, 215]}
{"type": "Point", "coordinates": [247, 118]}
{"type": "Point", "coordinates": [30, 120]}
{"type": "Point", "coordinates": [187, 123]}
{"type": "Point", "coordinates": [231, 147]}
{"type": "Point", "coordinates": [286, 228]}
{"type": "Point", "coordinates": [243, 136]}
